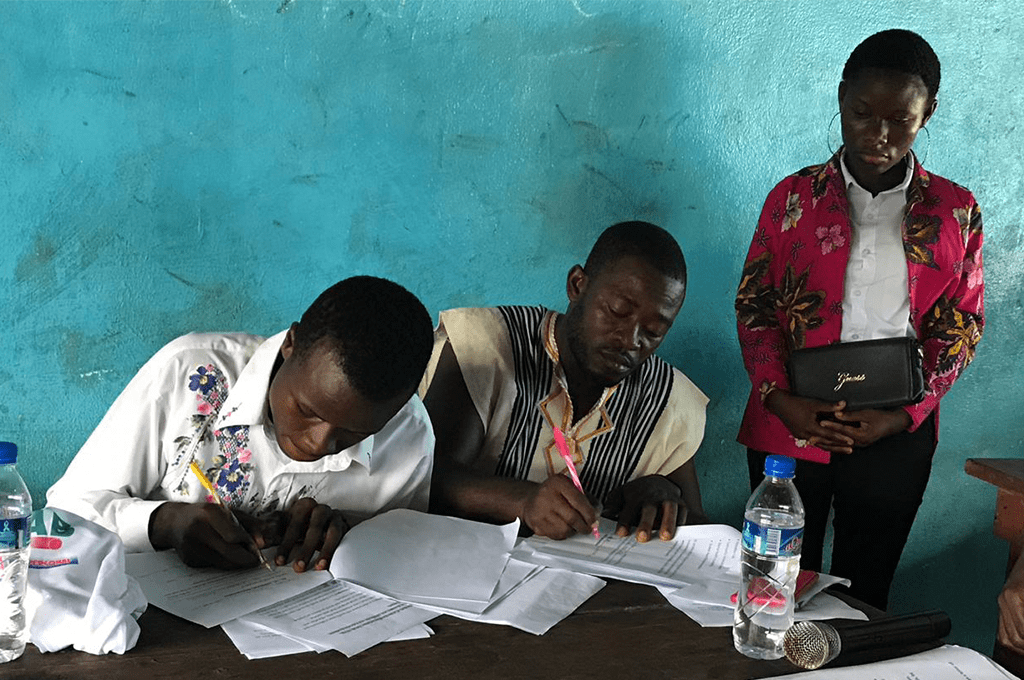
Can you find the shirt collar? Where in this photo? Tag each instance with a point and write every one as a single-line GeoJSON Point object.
{"type": "Point", "coordinates": [248, 403]}
{"type": "Point", "coordinates": [357, 453]}
{"type": "Point", "coordinates": [849, 181]}
{"type": "Point", "coordinates": [247, 400]}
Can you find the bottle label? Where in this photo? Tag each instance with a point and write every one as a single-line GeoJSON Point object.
{"type": "Point", "coordinates": [772, 542]}
{"type": "Point", "coordinates": [14, 534]}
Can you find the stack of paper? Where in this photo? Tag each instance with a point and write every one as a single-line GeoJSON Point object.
{"type": "Point", "coordinates": [309, 611]}
{"type": "Point", "coordinates": [695, 554]}
{"type": "Point", "coordinates": [459, 567]}
{"type": "Point", "coordinates": [697, 571]}
{"type": "Point", "coordinates": [333, 615]}
{"type": "Point", "coordinates": [427, 559]}
{"type": "Point", "coordinates": [391, 574]}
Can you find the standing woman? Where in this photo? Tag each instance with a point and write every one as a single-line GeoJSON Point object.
{"type": "Point", "coordinates": [869, 245]}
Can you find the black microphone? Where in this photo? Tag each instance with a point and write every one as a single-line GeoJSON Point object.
{"type": "Point", "coordinates": [812, 644]}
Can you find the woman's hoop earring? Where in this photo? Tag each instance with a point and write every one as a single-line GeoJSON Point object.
{"type": "Point", "coordinates": [828, 136]}
{"type": "Point", "coordinates": [927, 146]}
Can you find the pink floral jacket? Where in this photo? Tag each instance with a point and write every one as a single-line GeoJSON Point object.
{"type": "Point", "coordinates": [791, 293]}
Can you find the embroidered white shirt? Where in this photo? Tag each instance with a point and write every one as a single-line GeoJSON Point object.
{"type": "Point", "coordinates": [876, 293]}
{"type": "Point", "coordinates": [214, 386]}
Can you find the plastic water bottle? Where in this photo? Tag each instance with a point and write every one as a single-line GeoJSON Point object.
{"type": "Point", "coordinates": [15, 516]}
{"type": "Point", "coordinates": [773, 529]}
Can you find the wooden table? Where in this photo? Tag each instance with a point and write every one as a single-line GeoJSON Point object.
{"type": "Point", "coordinates": [624, 631]}
{"type": "Point", "coordinates": [1007, 475]}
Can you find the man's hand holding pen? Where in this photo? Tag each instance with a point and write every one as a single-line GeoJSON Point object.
{"type": "Point", "coordinates": [557, 509]}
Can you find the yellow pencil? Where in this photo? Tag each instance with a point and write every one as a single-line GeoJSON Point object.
{"type": "Point", "coordinates": [201, 476]}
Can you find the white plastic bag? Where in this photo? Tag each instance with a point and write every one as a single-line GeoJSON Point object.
{"type": "Point", "coordinates": [78, 592]}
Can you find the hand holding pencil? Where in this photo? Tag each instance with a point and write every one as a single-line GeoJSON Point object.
{"type": "Point", "coordinates": [211, 535]}
{"type": "Point", "coordinates": [198, 472]}
{"type": "Point", "coordinates": [203, 535]}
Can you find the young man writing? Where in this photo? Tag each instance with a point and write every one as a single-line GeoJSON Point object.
{"type": "Point", "coordinates": [302, 435]}
{"type": "Point", "coordinates": [501, 379]}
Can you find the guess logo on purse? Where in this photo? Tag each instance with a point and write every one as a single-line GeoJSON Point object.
{"type": "Point", "coordinates": [869, 374]}
{"type": "Point", "coordinates": [844, 378]}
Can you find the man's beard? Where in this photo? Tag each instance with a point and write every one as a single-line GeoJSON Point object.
{"type": "Point", "coordinates": [574, 336]}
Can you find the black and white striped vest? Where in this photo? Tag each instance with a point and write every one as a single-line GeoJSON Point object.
{"type": "Point", "coordinates": [634, 409]}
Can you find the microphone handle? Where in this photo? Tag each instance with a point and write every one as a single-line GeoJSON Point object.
{"type": "Point", "coordinates": [892, 631]}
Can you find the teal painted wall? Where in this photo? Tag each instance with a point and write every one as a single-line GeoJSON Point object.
{"type": "Point", "coordinates": [178, 166]}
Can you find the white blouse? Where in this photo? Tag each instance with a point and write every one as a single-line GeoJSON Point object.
{"type": "Point", "coordinates": [876, 292]}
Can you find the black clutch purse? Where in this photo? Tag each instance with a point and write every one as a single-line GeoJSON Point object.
{"type": "Point", "coordinates": [870, 374]}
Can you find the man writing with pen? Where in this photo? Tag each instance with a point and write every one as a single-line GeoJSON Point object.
{"type": "Point", "coordinates": [301, 435]}
{"type": "Point", "coordinates": [500, 380]}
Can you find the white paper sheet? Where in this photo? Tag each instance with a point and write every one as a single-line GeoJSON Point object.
{"type": "Point", "coordinates": [696, 553]}
{"type": "Point", "coordinates": [823, 606]}
{"type": "Point", "coordinates": [540, 598]}
{"type": "Point", "coordinates": [404, 559]}
{"type": "Point", "coordinates": [823, 581]}
{"type": "Point", "coordinates": [945, 663]}
{"type": "Point", "coordinates": [418, 632]}
{"type": "Point", "coordinates": [209, 596]}
{"type": "Point", "coordinates": [259, 642]}
{"type": "Point", "coordinates": [516, 572]}
{"type": "Point", "coordinates": [341, 616]}
{"type": "Point", "coordinates": [429, 559]}
{"type": "Point", "coordinates": [709, 602]}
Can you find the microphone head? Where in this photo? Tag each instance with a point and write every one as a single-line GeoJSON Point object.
{"type": "Point", "coordinates": [811, 644]}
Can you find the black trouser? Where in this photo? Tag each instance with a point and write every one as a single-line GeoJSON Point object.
{"type": "Point", "coordinates": [875, 493]}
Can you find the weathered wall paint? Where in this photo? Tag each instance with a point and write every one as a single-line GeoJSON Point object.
{"type": "Point", "coordinates": [177, 166]}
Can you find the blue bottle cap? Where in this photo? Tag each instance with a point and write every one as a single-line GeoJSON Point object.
{"type": "Point", "coordinates": [783, 467]}
{"type": "Point", "coordinates": [8, 453]}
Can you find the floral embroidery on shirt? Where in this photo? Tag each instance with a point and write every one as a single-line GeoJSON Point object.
{"type": "Point", "coordinates": [232, 470]}
{"type": "Point", "coordinates": [819, 180]}
{"type": "Point", "coordinates": [203, 379]}
{"type": "Point", "coordinates": [922, 231]}
{"type": "Point", "coordinates": [798, 305]}
{"type": "Point", "coordinates": [794, 249]}
{"type": "Point", "coordinates": [830, 238]}
{"type": "Point", "coordinates": [963, 216]}
{"type": "Point", "coordinates": [960, 331]}
{"type": "Point", "coordinates": [793, 212]}
{"type": "Point", "coordinates": [211, 388]}
{"type": "Point", "coordinates": [755, 302]}
{"type": "Point", "coordinates": [761, 238]}
{"type": "Point", "coordinates": [974, 277]}
{"type": "Point", "coordinates": [760, 351]}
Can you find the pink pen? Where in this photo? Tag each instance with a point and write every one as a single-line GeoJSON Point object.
{"type": "Point", "coordinates": [563, 450]}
